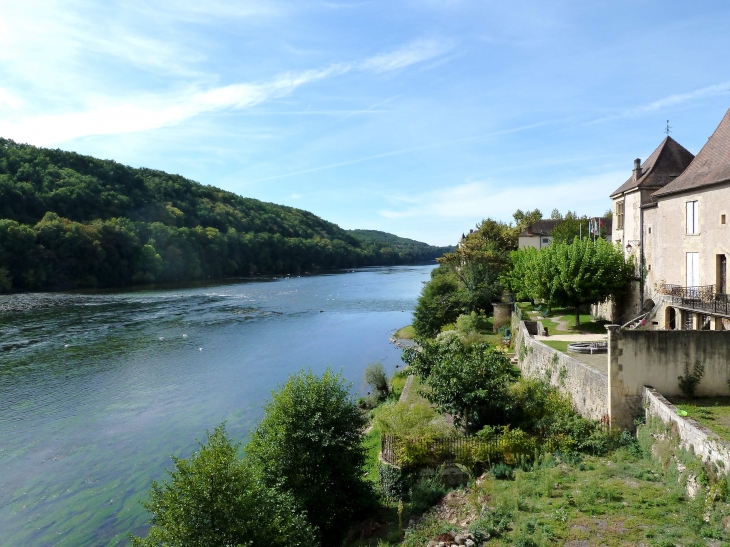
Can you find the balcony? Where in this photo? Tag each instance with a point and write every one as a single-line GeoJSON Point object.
{"type": "Point", "coordinates": [702, 298]}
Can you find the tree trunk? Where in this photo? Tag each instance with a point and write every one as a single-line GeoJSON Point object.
{"type": "Point", "coordinates": [577, 316]}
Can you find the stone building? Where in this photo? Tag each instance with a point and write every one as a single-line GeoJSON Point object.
{"type": "Point", "coordinates": [672, 215]}
{"type": "Point", "coordinates": [630, 202]}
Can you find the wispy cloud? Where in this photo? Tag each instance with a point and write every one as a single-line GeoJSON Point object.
{"type": "Point", "coordinates": [415, 52]}
{"type": "Point", "coordinates": [403, 151]}
{"type": "Point", "coordinates": [671, 100]}
{"type": "Point", "coordinates": [149, 111]}
{"type": "Point", "coordinates": [481, 199]}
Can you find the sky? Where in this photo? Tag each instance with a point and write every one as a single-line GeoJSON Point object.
{"type": "Point", "coordinates": [416, 117]}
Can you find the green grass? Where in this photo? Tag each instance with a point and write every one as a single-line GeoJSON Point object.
{"type": "Point", "coordinates": [372, 447]}
{"type": "Point", "coordinates": [712, 412]}
{"type": "Point", "coordinates": [617, 500]}
{"type": "Point", "coordinates": [406, 333]}
{"type": "Point", "coordinates": [557, 344]}
{"type": "Point", "coordinates": [565, 316]}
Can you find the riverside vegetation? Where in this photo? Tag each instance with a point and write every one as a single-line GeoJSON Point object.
{"type": "Point", "coordinates": [69, 221]}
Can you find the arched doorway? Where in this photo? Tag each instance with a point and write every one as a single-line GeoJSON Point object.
{"type": "Point", "coordinates": [670, 318]}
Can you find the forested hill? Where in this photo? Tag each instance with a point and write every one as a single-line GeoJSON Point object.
{"type": "Point", "coordinates": [68, 220]}
{"type": "Point", "coordinates": [417, 251]}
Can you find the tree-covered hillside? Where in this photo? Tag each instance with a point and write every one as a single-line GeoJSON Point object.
{"type": "Point", "coordinates": [408, 249]}
{"type": "Point", "coordinates": [68, 220]}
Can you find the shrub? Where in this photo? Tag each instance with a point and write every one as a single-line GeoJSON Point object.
{"type": "Point", "coordinates": [502, 471]}
{"type": "Point", "coordinates": [689, 381]}
{"type": "Point", "coordinates": [426, 491]}
{"type": "Point", "coordinates": [376, 378]}
{"type": "Point", "coordinates": [470, 383]}
{"type": "Point", "coordinates": [310, 443]}
{"type": "Point", "coordinates": [416, 420]}
{"type": "Point", "coordinates": [472, 323]}
{"type": "Point", "coordinates": [214, 498]}
{"type": "Point", "coordinates": [492, 524]}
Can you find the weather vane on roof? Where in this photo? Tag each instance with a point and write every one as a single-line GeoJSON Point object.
{"type": "Point", "coordinates": [668, 129]}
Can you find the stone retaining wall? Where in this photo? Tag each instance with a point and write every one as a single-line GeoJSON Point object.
{"type": "Point", "coordinates": [706, 445]}
{"type": "Point", "coordinates": [587, 387]}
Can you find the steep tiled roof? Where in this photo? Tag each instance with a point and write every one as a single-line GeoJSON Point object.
{"type": "Point", "coordinates": [665, 164]}
{"type": "Point", "coordinates": [711, 166]}
{"type": "Point", "coordinates": [540, 228]}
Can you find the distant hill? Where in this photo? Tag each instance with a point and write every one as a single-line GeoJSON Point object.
{"type": "Point", "coordinates": [416, 250]}
{"type": "Point", "coordinates": [68, 220]}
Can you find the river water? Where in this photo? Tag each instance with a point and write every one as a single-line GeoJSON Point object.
{"type": "Point", "coordinates": [98, 390]}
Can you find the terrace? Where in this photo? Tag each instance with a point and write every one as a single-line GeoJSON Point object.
{"type": "Point", "coordinates": [702, 298]}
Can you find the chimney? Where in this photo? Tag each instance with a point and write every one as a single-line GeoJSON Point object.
{"type": "Point", "coordinates": [529, 230]}
{"type": "Point", "coordinates": [637, 169]}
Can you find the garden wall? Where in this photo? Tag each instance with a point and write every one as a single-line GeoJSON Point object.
{"type": "Point", "coordinates": [693, 436]}
{"type": "Point", "coordinates": [639, 358]}
{"type": "Point", "coordinates": [587, 387]}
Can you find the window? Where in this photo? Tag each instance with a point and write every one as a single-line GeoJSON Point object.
{"type": "Point", "coordinates": [545, 240]}
{"type": "Point", "coordinates": [693, 218]}
{"type": "Point", "coordinates": [649, 229]}
{"type": "Point", "coordinates": [619, 215]}
{"type": "Point", "coordinates": [693, 269]}
{"type": "Point", "coordinates": [722, 219]}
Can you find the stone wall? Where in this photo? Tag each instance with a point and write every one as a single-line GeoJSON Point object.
{"type": "Point", "coordinates": [707, 445]}
{"type": "Point", "coordinates": [587, 387]}
{"type": "Point", "coordinates": [639, 358]}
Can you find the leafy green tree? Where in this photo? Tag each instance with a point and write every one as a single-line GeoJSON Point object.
{"type": "Point", "coordinates": [588, 272]}
{"type": "Point", "coordinates": [533, 275]}
{"type": "Point", "coordinates": [309, 443]}
{"type": "Point", "coordinates": [440, 303]}
{"type": "Point", "coordinates": [376, 378]}
{"type": "Point", "coordinates": [523, 219]}
{"type": "Point", "coordinates": [470, 383]}
{"type": "Point", "coordinates": [214, 498]}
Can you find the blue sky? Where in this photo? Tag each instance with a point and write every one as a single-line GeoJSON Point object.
{"type": "Point", "coordinates": [415, 117]}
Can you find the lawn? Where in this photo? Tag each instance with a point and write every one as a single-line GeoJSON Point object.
{"type": "Point", "coordinates": [712, 412]}
{"type": "Point", "coordinates": [557, 344]}
{"type": "Point", "coordinates": [562, 320]}
{"type": "Point", "coordinates": [406, 333]}
{"type": "Point", "coordinates": [622, 499]}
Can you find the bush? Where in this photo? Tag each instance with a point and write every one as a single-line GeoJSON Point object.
{"type": "Point", "coordinates": [472, 323]}
{"type": "Point", "coordinates": [470, 383]}
{"type": "Point", "coordinates": [310, 443]}
{"type": "Point", "coordinates": [376, 378]}
{"type": "Point", "coordinates": [493, 524]}
{"type": "Point", "coordinates": [426, 491]}
{"type": "Point", "coordinates": [417, 420]}
{"type": "Point", "coordinates": [689, 382]}
{"type": "Point", "coordinates": [214, 498]}
{"type": "Point", "coordinates": [502, 471]}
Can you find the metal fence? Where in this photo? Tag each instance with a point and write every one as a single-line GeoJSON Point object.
{"type": "Point", "coordinates": [702, 298]}
{"type": "Point", "coordinates": [412, 452]}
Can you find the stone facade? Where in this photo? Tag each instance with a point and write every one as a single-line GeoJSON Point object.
{"type": "Point", "coordinates": [587, 387]}
{"type": "Point", "coordinates": [693, 436]}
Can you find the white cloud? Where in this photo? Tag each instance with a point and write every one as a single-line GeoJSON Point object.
{"type": "Point", "coordinates": [671, 100]}
{"type": "Point", "coordinates": [415, 52]}
{"type": "Point", "coordinates": [143, 112]}
{"type": "Point", "coordinates": [296, 196]}
{"type": "Point", "coordinates": [477, 200]}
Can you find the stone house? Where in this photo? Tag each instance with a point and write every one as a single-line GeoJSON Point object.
{"type": "Point", "coordinates": [537, 235]}
{"type": "Point", "coordinates": [673, 215]}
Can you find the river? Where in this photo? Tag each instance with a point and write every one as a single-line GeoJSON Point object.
{"type": "Point", "coordinates": [98, 390]}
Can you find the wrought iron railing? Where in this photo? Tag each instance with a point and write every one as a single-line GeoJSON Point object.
{"type": "Point", "coordinates": [416, 452]}
{"type": "Point", "coordinates": [702, 298]}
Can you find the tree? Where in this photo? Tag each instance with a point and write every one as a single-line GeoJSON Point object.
{"type": "Point", "coordinates": [5, 282]}
{"type": "Point", "coordinates": [214, 498]}
{"type": "Point", "coordinates": [555, 215]}
{"type": "Point", "coordinates": [470, 383]}
{"type": "Point", "coordinates": [376, 378]}
{"type": "Point", "coordinates": [309, 443]}
{"type": "Point", "coordinates": [526, 218]}
{"type": "Point", "coordinates": [439, 303]}
{"type": "Point", "coordinates": [587, 272]}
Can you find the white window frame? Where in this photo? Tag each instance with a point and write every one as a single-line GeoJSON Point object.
{"type": "Point", "coordinates": [620, 215]}
{"type": "Point", "coordinates": [692, 217]}
{"type": "Point", "coordinates": [693, 269]}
